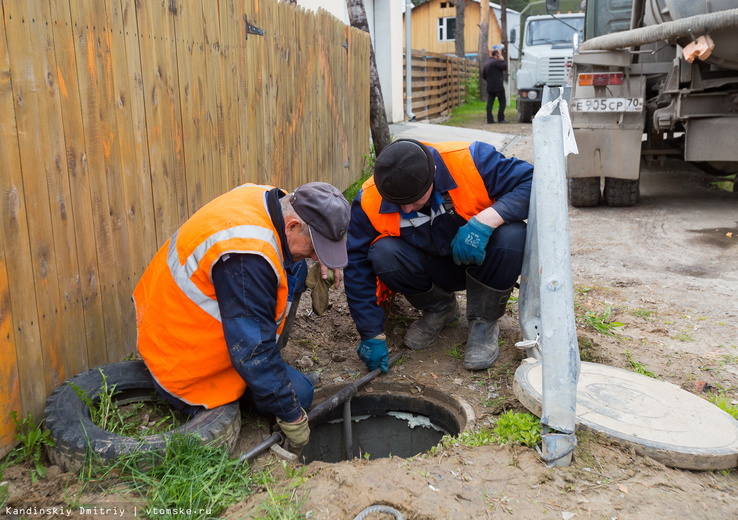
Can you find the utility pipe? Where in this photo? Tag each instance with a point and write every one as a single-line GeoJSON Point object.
{"type": "Point", "coordinates": [684, 28]}
{"type": "Point", "coordinates": [408, 62]}
{"type": "Point", "coordinates": [316, 413]}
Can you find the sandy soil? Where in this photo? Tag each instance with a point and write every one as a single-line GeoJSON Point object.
{"type": "Point", "coordinates": [667, 268]}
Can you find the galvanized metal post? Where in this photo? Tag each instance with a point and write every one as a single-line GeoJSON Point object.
{"type": "Point", "coordinates": [546, 289]}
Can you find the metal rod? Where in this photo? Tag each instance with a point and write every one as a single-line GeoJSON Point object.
{"type": "Point", "coordinates": [348, 441]}
{"type": "Point", "coordinates": [337, 399]}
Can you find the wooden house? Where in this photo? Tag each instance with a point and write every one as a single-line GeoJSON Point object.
{"type": "Point", "coordinates": [434, 26]}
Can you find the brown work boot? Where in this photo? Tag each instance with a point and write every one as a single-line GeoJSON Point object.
{"type": "Point", "coordinates": [439, 309]}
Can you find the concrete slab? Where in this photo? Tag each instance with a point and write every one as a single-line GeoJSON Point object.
{"type": "Point", "coordinates": [657, 418]}
{"type": "Point", "coordinates": [431, 133]}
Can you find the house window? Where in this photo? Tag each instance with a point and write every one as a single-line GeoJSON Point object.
{"type": "Point", "coordinates": [447, 29]}
{"type": "Point", "coordinates": [443, 5]}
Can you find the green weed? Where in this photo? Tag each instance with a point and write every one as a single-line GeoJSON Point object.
{"type": "Point", "coordinates": [32, 441]}
{"type": "Point", "coordinates": [518, 428]}
{"type": "Point", "coordinates": [724, 403]}
{"type": "Point", "coordinates": [684, 336]}
{"type": "Point", "coordinates": [367, 171]}
{"type": "Point", "coordinates": [188, 472]}
{"type": "Point", "coordinates": [601, 322]}
{"type": "Point", "coordinates": [124, 420]}
{"type": "Point", "coordinates": [642, 312]}
{"type": "Point", "coordinates": [638, 367]}
{"type": "Point", "coordinates": [456, 352]}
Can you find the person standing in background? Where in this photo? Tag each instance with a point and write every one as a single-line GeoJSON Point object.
{"type": "Point", "coordinates": [493, 73]}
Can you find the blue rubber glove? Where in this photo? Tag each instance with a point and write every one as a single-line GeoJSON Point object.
{"type": "Point", "coordinates": [374, 353]}
{"type": "Point", "coordinates": [470, 243]}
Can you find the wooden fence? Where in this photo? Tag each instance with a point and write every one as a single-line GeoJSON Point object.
{"type": "Point", "coordinates": [118, 120]}
{"type": "Point", "coordinates": [438, 82]}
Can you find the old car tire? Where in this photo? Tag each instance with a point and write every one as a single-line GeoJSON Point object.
{"type": "Point", "coordinates": [621, 192]}
{"type": "Point", "coordinates": [584, 191]}
{"type": "Point", "coordinates": [68, 418]}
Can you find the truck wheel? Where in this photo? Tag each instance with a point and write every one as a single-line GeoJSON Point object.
{"type": "Point", "coordinates": [68, 419]}
{"type": "Point", "coordinates": [525, 112]}
{"type": "Point", "coordinates": [584, 191]}
{"type": "Point", "coordinates": [621, 192]}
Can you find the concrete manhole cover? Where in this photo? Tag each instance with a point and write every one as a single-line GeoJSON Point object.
{"type": "Point", "coordinates": [657, 418]}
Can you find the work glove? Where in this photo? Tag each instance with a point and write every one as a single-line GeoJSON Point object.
{"type": "Point", "coordinates": [470, 243]}
{"type": "Point", "coordinates": [297, 433]}
{"type": "Point", "coordinates": [319, 288]}
{"type": "Point", "coordinates": [374, 353]}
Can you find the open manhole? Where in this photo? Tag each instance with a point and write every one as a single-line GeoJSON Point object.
{"type": "Point", "coordinates": [389, 420]}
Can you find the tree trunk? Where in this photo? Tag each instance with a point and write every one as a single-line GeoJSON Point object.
{"type": "Point", "coordinates": [503, 30]}
{"type": "Point", "coordinates": [460, 44]}
{"type": "Point", "coordinates": [377, 115]}
{"type": "Point", "coordinates": [483, 50]}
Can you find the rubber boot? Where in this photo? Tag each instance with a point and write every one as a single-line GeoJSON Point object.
{"type": "Point", "coordinates": [439, 309]}
{"type": "Point", "coordinates": [484, 307]}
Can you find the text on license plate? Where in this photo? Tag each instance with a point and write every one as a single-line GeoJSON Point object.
{"type": "Point", "coordinates": [608, 105]}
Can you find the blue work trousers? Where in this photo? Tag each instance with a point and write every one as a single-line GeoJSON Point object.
{"type": "Point", "coordinates": [407, 270]}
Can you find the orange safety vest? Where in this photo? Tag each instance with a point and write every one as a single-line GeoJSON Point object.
{"type": "Point", "coordinates": [180, 334]}
{"type": "Point", "coordinates": [469, 197]}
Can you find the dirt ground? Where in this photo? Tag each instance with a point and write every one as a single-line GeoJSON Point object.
{"type": "Point", "coordinates": [668, 269]}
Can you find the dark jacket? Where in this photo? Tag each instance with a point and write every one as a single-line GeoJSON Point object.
{"type": "Point", "coordinates": [508, 182]}
{"type": "Point", "coordinates": [493, 73]}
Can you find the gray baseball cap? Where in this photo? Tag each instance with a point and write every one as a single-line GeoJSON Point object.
{"type": "Point", "coordinates": [326, 212]}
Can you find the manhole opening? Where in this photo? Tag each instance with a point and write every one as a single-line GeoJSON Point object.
{"type": "Point", "coordinates": [383, 425]}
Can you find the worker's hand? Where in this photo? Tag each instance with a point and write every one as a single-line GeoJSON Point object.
{"type": "Point", "coordinates": [297, 433]}
{"type": "Point", "coordinates": [374, 353]}
{"type": "Point", "coordinates": [325, 274]}
{"type": "Point", "coordinates": [470, 243]}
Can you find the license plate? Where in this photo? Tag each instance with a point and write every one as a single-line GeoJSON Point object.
{"type": "Point", "coordinates": [608, 105]}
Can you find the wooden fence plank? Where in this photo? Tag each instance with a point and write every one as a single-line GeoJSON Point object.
{"type": "Point", "coordinates": [42, 159]}
{"type": "Point", "coordinates": [228, 117]}
{"type": "Point", "coordinates": [14, 265]}
{"type": "Point", "coordinates": [94, 75]}
{"type": "Point", "coordinates": [163, 115]}
{"type": "Point", "coordinates": [91, 339]}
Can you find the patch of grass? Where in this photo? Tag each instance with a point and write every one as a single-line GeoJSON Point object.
{"type": "Point", "coordinates": [32, 442]}
{"type": "Point", "coordinates": [283, 504]}
{"type": "Point", "coordinates": [131, 420]}
{"type": "Point", "coordinates": [642, 312]}
{"type": "Point", "coordinates": [728, 359]}
{"type": "Point", "coordinates": [587, 350]}
{"type": "Point", "coordinates": [724, 403]}
{"type": "Point", "coordinates": [474, 112]}
{"type": "Point", "coordinates": [684, 336]}
{"type": "Point", "coordinates": [602, 322]}
{"type": "Point", "coordinates": [638, 367]}
{"type": "Point", "coordinates": [518, 428]}
{"type": "Point", "coordinates": [367, 171]}
{"type": "Point", "coordinates": [203, 477]}
{"type": "Point", "coordinates": [456, 352]}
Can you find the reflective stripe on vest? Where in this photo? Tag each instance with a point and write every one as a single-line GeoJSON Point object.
{"type": "Point", "coordinates": [182, 274]}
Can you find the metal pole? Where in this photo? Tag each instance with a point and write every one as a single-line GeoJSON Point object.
{"type": "Point", "coordinates": [408, 62]}
{"type": "Point", "coordinates": [317, 412]}
{"type": "Point", "coordinates": [547, 290]}
{"type": "Point", "coordinates": [348, 441]}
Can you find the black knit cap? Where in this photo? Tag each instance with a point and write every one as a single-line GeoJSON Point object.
{"type": "Point", "coordinates": [404, 171]}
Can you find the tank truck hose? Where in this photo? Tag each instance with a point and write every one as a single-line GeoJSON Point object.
{"type": "Point", "coordinates": [380, 509]}
{"type": "Point", "coordinates": [699, 24]}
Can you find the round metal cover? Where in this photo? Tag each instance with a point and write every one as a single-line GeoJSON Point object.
{"type": "Point", "coordinates": [657, 418]}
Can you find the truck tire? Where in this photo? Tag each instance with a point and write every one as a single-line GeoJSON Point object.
{"type": "Point", "coordinates": [584, 192]}
{"type": "Point", "coordinates": [68, 419]}
{"type": "Point", "coordinates": [525, 112]}
{"type": "Point", "coordinates": [621, 192]}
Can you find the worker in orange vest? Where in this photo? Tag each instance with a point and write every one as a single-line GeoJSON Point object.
{"type": "Point", "coordinates": [432, 220]}
{"type": "Point", "coordinates": [211, 304]}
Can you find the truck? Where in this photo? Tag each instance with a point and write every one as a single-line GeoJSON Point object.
{"type": "Point", "coordinates": [652, 80]}
{"type": "Point", "coordinates": [545, 50]}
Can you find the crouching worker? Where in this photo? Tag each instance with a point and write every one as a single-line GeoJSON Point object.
{"type": "Point", "coordinates": [435, 219]}
{"type": "Point", "coordinates": [210, 306]}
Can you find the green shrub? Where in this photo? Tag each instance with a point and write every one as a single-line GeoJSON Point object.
{"type": "Point", "coordinates": [32, 442]}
